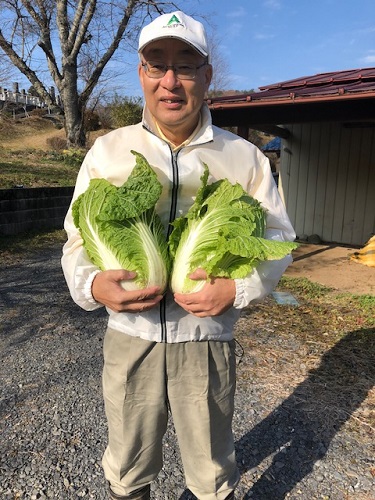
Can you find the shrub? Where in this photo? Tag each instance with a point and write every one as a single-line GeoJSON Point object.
{"type": "Point", "coordinates": [91, 121]}
{"type": "Point", "coordinates": [105, 117]}
{"type": "Point", "coordinates": [38, 112]}
{"type": "Point", "coordinates": [73, 156]}
{"type": "Point", "coordinates": [126, 110]}
{"type": "Point", "coordinates": [56, 143]}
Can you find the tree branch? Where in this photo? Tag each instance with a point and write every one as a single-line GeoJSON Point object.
{"type": "Point", "coordinates": [78, 32]}
{"type": "Point", "coordinates": [43, 21]}
{"type": "Point", "coordinates": [24, 68]}
{"type": "Point", "coordinates": [62, 25]}
{"type": "Point", "coordinates": [93, 80]}
{"type": "Point", "coordinates": [33, 13]}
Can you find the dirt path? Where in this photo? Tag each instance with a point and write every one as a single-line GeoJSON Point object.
{"type": "Point", "coordinates": [38, 141]}
{"type": "Point", "coordinates": [331, 265]}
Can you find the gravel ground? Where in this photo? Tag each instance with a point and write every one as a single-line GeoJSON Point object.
{"type": "Point", "coordinates": [53, 429]}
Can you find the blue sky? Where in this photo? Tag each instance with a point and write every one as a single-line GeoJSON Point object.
{"type": "Point", "coordinates": [269, 41]}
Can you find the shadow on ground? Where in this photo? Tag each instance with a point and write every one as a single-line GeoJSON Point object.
{"type": "Point", "coordinates": [300, 430]}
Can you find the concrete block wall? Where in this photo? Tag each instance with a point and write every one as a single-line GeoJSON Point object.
{"type": "Point", "coordinates": [26, 209]}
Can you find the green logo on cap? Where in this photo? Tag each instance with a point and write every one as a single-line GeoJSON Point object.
{"type": "Point", "coordinates": [174, 20]}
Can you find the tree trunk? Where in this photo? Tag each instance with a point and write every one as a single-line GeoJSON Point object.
{"type": "Point", "coordinates": [33, 23]}
{"type": "Point", "coordinates": [74, 129]}
{"type": "Point", "coordinates": [73, 109]}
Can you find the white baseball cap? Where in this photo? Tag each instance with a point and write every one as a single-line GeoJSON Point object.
{"type": "Point", "coordinates": [176, 25]}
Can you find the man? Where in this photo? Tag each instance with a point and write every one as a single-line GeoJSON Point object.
{"type": "Point", "coordinates": [173, 353]}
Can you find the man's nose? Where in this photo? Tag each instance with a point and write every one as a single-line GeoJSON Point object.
{"type": "Point", "coordinates": [170, 80]}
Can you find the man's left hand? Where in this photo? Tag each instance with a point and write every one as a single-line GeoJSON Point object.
{"type": "Point", "coordinates": [216, 297]}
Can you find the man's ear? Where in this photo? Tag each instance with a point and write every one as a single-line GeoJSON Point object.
{"type": "Point", "coordinates": [208, 75]}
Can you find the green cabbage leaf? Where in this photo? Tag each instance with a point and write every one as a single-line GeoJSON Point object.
{"type": "Point", "coordinates": [222, 233]}
{"type": "Point", "coordinates": [120, 228]}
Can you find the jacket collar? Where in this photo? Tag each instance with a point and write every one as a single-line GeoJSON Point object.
{"type": "Point", "coordinates": [203, 135]}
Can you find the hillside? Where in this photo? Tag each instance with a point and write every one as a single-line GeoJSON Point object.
{"type": "Point", "coordinates": [32, 154]}
{"type": "Point", "coordinates": [26, 133]}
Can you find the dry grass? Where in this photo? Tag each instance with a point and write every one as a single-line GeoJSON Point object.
{"type": "Point", "coordinates": [28, 156]}
{"type": "Point", "coordinates": [27, 133]}
{"type": "Point", "coordinates": [33, 133]}
{"type": "Point", "coordinates": [316, 359]}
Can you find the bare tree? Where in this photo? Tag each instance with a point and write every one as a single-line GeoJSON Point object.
{"type": "Point", "coordinates": [7, 70]}
{"type": "Point", "coordinates": [7, 74]}
{"type": "Point", "coordinates": [221, 80]}
{"type": "Point", "coordinates": [77, 39]}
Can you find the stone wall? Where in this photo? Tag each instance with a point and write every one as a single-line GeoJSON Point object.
{"type": "Point", "coordinates": [23, 209]}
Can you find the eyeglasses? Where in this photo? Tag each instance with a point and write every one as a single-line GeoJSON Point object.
{"type": "Point", "coordinates": [184, 71]}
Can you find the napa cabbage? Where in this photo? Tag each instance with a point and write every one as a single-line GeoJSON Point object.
{"type": "Point", "coordinates": [120, 228]}
{"type": "Point", "coordinates": [222, 233]}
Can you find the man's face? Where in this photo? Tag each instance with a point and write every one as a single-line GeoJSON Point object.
{"type": "Point", "coordinates": [174, 103]}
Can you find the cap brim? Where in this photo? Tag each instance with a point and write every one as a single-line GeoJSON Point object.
{"type": "Point", "coordinates": [197, 49]}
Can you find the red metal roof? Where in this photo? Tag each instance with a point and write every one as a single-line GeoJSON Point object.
{"type": "Point", "coordinates": [335, 85]}
{"type": "Point", "coordinates": [332, 78]}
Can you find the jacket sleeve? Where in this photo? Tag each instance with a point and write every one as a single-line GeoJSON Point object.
{"type": "Point", "coordinates": [262, 281]}
{"type": "Point", "coordinates": [78, 270]}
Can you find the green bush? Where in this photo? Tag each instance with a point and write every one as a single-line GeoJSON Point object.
{"type": "Point", "coordinates": [73, 157]}
{"type": "Point", "coordinates": [126, 110]}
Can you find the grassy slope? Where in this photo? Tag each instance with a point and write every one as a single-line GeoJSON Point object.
{"type": "Point", "coordinates": [26, 157]}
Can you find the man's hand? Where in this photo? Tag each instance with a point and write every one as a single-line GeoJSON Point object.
{"type": "Point", "coordinates": [216, 297]}
{"type": "Point", "coordinates": [107, 290]}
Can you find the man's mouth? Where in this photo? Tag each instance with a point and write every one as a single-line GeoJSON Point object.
{"type": "Point", "coordinates": [172, 101]}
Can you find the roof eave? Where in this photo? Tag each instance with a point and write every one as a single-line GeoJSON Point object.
{"type": "Point", "coordinates": [289, 100]}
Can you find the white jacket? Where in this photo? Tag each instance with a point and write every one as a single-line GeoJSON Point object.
{"type": "Point", "coordinates": [226, 155]}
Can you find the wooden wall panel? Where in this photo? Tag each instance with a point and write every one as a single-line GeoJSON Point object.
{"type": "Point", "coordinates": [339, 185]}
{"type": "Point", "coordinates": [321, 179]}
{"type": "Point", "coordinates": [332, 166]}
{"type": "Point", "coordinates": [328, 181]}
{"type": "Point", "coordinates": [369, 219]}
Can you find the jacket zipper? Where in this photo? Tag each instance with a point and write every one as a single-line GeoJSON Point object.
{"type": "Point", "coordinates": [172, 216]}
{"type": "Point", "coordinates": [175, 186]}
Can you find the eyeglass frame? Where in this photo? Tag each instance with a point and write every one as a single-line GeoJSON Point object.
{"type": "Point", "coordinates": [173, 68]}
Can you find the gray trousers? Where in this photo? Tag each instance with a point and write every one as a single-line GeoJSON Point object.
{"type": "Point", "coordinates": [196, 381]}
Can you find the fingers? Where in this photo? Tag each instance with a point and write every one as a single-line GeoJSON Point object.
{"type": "Point", "coordinates": [137, 301]}
{"type": "Point", "coordinates": [193, 303]}
{"type": "Point", "coordinates": [216, 297]}
{"type": "Point", "coordinates": [124, 303]}
{"type": "Point", "coordinates": [122, 275]}
{"type": "Point", "coordinates": [140, 306]}
{"type": "Point", "coordinates": [107, 289]}
{"type": "Point", "coordinates": [198, 274]}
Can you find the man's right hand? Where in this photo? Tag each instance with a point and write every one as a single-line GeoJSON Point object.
{"type": "Point", "coordinates": [107, 290]}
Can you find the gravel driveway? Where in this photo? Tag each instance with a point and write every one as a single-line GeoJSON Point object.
{"type": "Point", "coordinates": [53, 430]}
